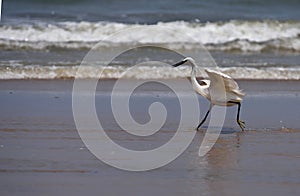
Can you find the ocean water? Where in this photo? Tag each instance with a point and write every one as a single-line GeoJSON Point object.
{"type": "Point", "coordinates": [248, 39]}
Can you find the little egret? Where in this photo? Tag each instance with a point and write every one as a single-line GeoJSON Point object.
{"type": "Point", "coordinates": [220, 90]}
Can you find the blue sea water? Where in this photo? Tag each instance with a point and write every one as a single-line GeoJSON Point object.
{"type": "Point", "coordinates": [250, 39]}
{"type": "Point", "coordinates": [150, 12]}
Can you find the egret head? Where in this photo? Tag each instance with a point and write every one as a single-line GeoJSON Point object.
{"type": "Point", "coordinates": [188, 60]}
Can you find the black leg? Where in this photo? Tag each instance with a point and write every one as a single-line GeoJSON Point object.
{"type": "Point", "coordinates": [241, 123]}
{"type": "Point", "coordinates": [238, 113]}
{"type": "Point", "coordinates": [203, 120]}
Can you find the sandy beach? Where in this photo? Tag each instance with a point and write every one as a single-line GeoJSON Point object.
{"type": "Point", "coordinates": [41, 152]}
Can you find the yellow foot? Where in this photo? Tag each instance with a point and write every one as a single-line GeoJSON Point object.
{"type": "Point", "coordinates": [241, 124]}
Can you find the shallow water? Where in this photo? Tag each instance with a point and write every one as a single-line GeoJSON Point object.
{"type": "Point", "coordinates": [41, 150]}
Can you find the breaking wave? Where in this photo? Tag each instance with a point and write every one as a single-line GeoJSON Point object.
{"type": "Point", "coordinates": [141, 72]}
{"type": "Point", "coordinates": [225, 36]}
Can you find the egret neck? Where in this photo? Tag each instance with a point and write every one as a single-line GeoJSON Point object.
{"type": "Point", "coordinates": [201, 89]}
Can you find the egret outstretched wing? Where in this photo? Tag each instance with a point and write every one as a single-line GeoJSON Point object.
{"type": "Point", "coordinates": [223, 88]}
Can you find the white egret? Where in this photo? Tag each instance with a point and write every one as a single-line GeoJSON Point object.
{"type": "Point", "coordinates": [221, 90]}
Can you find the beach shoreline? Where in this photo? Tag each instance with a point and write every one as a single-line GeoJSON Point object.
{"type": "Point", "coordinates": [67, 84]}
{"type": "Point", "coordinates": [274, 100]}
{"type": "Point", "coordinates": [42, 153]}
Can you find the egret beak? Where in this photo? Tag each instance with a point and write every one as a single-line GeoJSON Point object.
{"type": "Point", "coordinates": [179, 63]}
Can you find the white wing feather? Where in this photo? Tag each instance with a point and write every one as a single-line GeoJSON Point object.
{"type": "Point", "coordinates": [223, 88]}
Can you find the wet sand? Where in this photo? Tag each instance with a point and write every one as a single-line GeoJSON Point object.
{"type": "Point", "coordinates": [41, 152]}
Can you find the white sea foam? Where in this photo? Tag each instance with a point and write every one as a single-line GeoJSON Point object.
{"type": "Point", "coordinates": [231, 35]}
{"type": "Point", "coordinates": [141, 72]}
{"type": "Point", "coordinates": [226, 36]}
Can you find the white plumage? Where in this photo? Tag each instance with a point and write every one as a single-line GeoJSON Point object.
{"type": "Point", "coordinates": [224, 88]}
{"type": "Point", "coordinates": [221, 89]}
